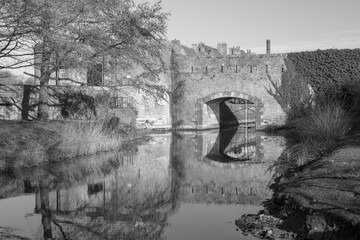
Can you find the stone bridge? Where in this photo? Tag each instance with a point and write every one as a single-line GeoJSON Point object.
{"type": "Point", "coordinates": [218, 91]}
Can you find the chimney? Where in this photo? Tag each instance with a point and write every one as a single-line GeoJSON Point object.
{"type": "Point", "coordinates": [267, 46]}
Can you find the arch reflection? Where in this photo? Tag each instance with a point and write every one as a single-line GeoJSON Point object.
{"type": "Point", "coordinates": [229, 145]}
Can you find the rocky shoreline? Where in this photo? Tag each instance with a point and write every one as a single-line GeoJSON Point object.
{"type": "Point", "coordinates": [263, 226]}
{"type": "Point", "coordinates": [320, 201]}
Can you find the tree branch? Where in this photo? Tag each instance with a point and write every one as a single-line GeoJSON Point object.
{"type": "Point", "coordinates": [60, 79]}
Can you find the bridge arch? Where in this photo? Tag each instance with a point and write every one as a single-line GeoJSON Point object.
{"type": "Point", "coordinates": [213, 110]}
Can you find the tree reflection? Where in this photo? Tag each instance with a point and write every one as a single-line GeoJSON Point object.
{"type": "Point", "coordinates": [125, 218]}
{"type": "Point", "coordinates": [101, 197]}
{"type": "Point", "coordinates": [45, 209]}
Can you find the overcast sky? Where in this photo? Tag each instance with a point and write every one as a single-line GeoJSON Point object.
{"type": "Point", "coordinates": [291, 25]}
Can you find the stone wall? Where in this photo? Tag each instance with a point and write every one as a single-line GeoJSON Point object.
{"type": "Point", "coordinates": [195, 81]}
{"type": "Point", "coordinates": [194, 78]}
{"type": "Point", "coordinates": [142, 110]}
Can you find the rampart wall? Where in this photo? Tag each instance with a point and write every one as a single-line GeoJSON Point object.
{"type": "Point", "coordinates": [197, 77]}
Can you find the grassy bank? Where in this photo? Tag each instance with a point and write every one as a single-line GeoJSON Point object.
{"type": "Point", "coordinates": [31, 144]}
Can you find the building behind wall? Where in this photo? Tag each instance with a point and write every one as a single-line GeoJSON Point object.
{"type": "Point", "coordinates": [222, 48]}
{"type": "Point", "coordinates": [236, 51]}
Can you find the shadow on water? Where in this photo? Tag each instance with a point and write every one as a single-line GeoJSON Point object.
{"type": "Point", "coordinates": [137, 193]}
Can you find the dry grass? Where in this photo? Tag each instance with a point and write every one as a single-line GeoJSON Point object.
{"type": "Point", "coordinates": [24, 144]}
{"type": "Point", "coordinates": [31, 144]}
{"type": "Point", "coordinates": [329, 122]}
{"type": "Point", "coordinates": [317, 133]}
{"type": "Point", "coordinates": [84, 138]}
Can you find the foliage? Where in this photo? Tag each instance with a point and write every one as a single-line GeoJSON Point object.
{"type": "Point", "coordinates": [178, 92]}
{"type": "Point", "coordinates": [78, 104]}
{"type": "Point", "coordinates": [318, 133]}
{"type": "Point", "coordinates": [328, 71]}
{"type": "Point", "coordinates": [316, 78]}
{"type": "Point", "coordinates": [321, 121]}
{"type": "Point", "coordinates": [293, 94]}
{"type": "Point", "coordinates": [326, 122]}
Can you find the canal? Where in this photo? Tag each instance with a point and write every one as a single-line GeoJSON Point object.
{"type": "Point", "coordinates": [186, 185]}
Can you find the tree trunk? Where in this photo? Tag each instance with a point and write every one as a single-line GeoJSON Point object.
{"type": "Point", "coordinates": [25, 104]}
{"type": "Point", "coordinates": [43, 109]}
{"type": "Point", "coordinates": [45, 208]}
{"type": "Point", "coordinates": [45, 69]}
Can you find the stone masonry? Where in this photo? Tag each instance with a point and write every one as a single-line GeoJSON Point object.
{"type": "Point", "coordinates": [201, 83]}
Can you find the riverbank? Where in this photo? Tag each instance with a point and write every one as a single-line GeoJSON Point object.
{"type": "Point", "coordinates": [320, 200]}
{"type": "Point", "coordinates": [26, 144]}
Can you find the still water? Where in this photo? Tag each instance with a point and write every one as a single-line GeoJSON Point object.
{"type": "Point", "coordinates": [174, 186]}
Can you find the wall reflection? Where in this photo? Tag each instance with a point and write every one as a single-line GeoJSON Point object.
{"type": "Point", "coordinates": [131, 193]}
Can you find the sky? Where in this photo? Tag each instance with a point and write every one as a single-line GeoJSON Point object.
{"type": "Point", "coordinates": [291, 25]}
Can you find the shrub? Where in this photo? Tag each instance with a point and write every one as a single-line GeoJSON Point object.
{"type": "Point", "coordinates": [325, 122]}
{"type": "Point", "coordinates": [79, 104]}
{"type": "Point", "coordinates": [111, 124]}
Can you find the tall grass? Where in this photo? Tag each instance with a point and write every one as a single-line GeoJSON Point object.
{"type": "Point", "coordinates": [325, 122]}
{"type": "Point", "coordinates": [21, 148]}
{"type": "Point", "coordinates": [84, 138]}
{"type": "Point", "coordinates": [34, 144]}
{"type": "Point", "coordinates": [317, 132]}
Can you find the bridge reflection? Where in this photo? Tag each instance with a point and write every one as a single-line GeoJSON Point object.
{"type": "Point", "coordinates": [234, 144]}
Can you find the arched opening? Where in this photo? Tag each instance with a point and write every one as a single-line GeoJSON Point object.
{"type": "Point", "coordinates": [228, 109]}
{"type": "Point", "coordinates": [237, 111]}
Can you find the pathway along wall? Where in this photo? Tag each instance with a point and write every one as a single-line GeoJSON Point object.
{"type": "Point", "coordinates": [195, 78]}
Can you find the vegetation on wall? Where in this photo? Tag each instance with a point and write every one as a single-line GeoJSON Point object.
{"type": "Point", "coordinates": [317, 78]}
{"type": "Point", "coordinates": [77, 104]}
{"type": "Point", "coordinates": [293, 94]}
{"type": "Point", "coordinates": [177, 90]}
{"type": "Point", "coordinates": [330, 72]}
{"type": "Point", "coordinates": [319, 93]}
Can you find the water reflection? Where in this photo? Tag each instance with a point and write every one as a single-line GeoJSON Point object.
{"type": "Point", "coordinates": [317, 199]}
{"type": "Point", "coordinates": [138, 193]}
{"type": "Point", "coordinates": [234, 144]}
